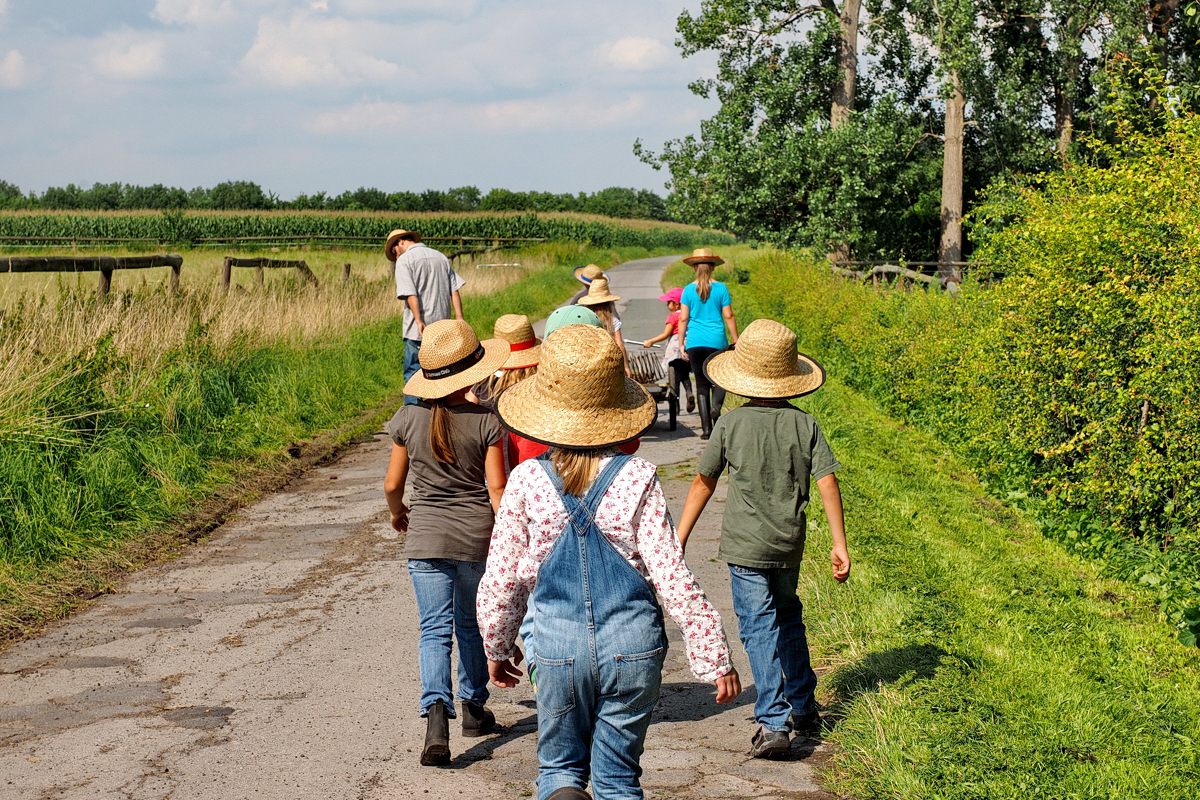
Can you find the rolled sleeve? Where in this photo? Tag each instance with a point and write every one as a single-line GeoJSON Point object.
{"type": "Point", "coordinates": [404, 282]}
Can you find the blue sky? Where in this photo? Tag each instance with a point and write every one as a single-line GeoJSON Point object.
{"type": "Point", "coordinates": [304, 95]}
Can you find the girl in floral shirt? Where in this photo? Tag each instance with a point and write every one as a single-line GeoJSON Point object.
{"type": "Point", "coordinates": [583, 532]}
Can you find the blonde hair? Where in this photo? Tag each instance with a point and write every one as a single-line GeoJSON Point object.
{"type": "Point", "coordinates": [440, 426]}
{"type": "Point", "coordinates": [577, 468]}
{"type": "Point", "coordinates": [607, 312]}
{"type": "Point", "coordinates": [704, 271]}
{"type": "Point", "coordinates": [496, 384]}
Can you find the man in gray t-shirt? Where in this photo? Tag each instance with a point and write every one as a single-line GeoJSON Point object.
{"type": "Point", "coordinates": [429, 288]}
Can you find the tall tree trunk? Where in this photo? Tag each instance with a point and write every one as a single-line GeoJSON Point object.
{"type": "Point", "coordinates": [952, 186]}
{"type": "Point", "coordinates": [1162, 16]}
{"type": "Point", "coordinates": [847, 61]}
{"type": "Point", "coordinates": [1064, 107]}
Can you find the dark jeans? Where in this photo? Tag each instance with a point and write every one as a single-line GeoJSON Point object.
{"type": "Point", "coordinates": [704, 386]}
{"type": "Point", "coordinates": [411, 364]}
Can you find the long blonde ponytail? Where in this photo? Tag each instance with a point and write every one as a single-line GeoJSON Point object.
{"type": "Point", "coordinates": [704, 271]}
{"type": "Point", "coordinates": [577, 468]}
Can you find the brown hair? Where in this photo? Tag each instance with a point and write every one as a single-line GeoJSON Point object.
{"type": "Point", "coordinates": [440, 425]}
{"type": "Point", "coordinates": [495, 384]}
{"type": "Point", "coordinates": [606, 312]}
{"type": "Point", "coordinates": [704, 271]}
{"type": "Point", "coordinates": [577, 468]}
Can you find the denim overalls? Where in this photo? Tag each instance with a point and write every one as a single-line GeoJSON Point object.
{"type": "Point", "coordinates": [600, 646]}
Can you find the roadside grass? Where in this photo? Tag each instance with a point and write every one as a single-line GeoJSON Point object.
{"type": "Point", "coordinates": [118, 416]}
{"type": "Point", "coordinates": [969, 657]}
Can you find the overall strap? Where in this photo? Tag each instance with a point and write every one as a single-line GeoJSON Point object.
{"type": "Point", "coordinates": [582, 511]}
{"type": "Point", "coordinates": [604, 479]}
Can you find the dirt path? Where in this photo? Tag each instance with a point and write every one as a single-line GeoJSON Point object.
{"type": "Point", "coordinates": [278, 659]}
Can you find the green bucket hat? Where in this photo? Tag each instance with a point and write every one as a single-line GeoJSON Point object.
{"type": "Point", "coordinates": [571, 315]}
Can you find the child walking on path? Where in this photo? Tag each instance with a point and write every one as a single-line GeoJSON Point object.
{"type": "Point", "coordinates": [584, 533]}
{"type": "Point", "coordinates": [705, 316]}
{"type": "Point", "coordinates": [670, 335]}
{"type": "Point", "coordinates": [773, 451]}
{"type": "Point", "coordinates": [450, 446]}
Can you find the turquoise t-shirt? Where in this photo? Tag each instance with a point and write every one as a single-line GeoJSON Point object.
{"type": "Point", "coordinates": [706, 325]}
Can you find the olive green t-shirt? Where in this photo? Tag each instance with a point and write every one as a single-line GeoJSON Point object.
{"type": "Point", "coordinates": [450, 511]}
{"type": "Point", "coordinates": [773, 455]}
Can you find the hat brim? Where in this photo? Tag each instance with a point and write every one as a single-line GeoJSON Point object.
{"type": "Point", "coordinates": [495, 353]}
{"type": "Point", "coordinates": [388, 245]}
{"type": "Point", "coordinates": [692, 261]}
{"type": "Point", "coordinates": [525, 411]}
{"type": "Point", "coordinates": [588, 300]}
{"type": "Point", "coordinates": [579, 275]}
{"type": "Point", "coordinates": [723, 371]}
{"type": "Point", "coordinates": [529, 357]}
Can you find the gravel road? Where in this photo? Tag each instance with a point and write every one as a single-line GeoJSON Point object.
{"type": "Point", "coordinates": [278, 659]}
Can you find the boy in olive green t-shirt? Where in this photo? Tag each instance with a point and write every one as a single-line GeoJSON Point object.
{"type": "Point", "coordinates": [774, 452]}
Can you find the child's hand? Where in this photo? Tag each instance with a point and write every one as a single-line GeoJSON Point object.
{"type": "Point", "coordinates": [840, 559]}
{"type": "Point", "coordinates": [647, 343]}
{"type": "Point", "coordinates": [729, 686]}
{"type": "Point", "coordinates": [400, 520]}
{"type": "Point", "coordinates": [503, 673]}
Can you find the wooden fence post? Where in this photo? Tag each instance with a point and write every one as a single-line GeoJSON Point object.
{"type": "Point", "coordinates": [173, 286]}
{"type": "Point", "coordinates": [306, 273]}
{"type": "Point", "coordinates": [345, 272]}
{"type": "Point", "coordinates": [105, 281]}
{"type": "Point", "coordinates": [226, 274]}
{"type": "Point", "coordinates": [258, 275]}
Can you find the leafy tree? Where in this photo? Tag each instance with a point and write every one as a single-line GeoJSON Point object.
{"type": "Point", "coordinates": [238, 195]}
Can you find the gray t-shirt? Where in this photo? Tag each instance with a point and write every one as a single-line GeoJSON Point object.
{"type": "Point", "coordinates": [450, 513]}
{"type": "Point", "coordinates": [773, 453]}
{"type": "Point", "coordinates": [426, 273]}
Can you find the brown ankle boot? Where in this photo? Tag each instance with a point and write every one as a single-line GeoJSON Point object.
{"type": "Point", "coordinates": [437, 737]}
{"type": "Point", "coordinates": [477, 719]}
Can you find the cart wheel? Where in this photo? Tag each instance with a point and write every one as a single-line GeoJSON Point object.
{"type": "Point", "coordinates": [672, 410]}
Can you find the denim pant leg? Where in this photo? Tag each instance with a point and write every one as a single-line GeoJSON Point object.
{"type": "Point", "coordinates": [758, 628]}
{"type": "Point", "coordinates": [472, 663]}
{"type": "Point", "coordinates": [622, 719]}
{"type": "Point", "coordinates": [433, 584]}
{"type": "Point", "coordinates": [566, 705]}
{"type": "Point", "coordinates": [526, 634]}
{"type": "Point", "coordinates": [411, 364]}
{"type": "Point", "coordinates": [800, 682]}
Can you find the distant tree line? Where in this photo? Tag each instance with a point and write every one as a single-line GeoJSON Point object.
{"type": "Point", "coordinates": [248, 196]}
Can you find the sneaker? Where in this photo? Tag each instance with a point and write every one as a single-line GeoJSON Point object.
{"type": "Point", "coordinates": [807, 725]}
{"type": "Point", "coordinates": [770, 744]}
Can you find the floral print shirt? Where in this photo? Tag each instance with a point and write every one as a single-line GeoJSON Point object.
{"type": "Point", "coordinates": [633, 516]}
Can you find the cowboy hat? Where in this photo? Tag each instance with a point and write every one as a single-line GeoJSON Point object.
{"type": "Point", "coordinates": [396, 236]}
{"type": "Point", "coordinates": [764, 364]}
{"type": "Point", "coordinates": [586, 275]}
{"type": "Point", "coordinates": [701, 255]}
{"type": "Point", "coordinates": [524, 348]}
{"type": "Point", "coordinates": [598, 293]}
{"type": "Point", "coordinates": [453, 358]}
{"type": "Point", "coordinates": [580, 398]}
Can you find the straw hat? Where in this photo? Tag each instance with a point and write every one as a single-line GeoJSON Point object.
{"type": "Point", "coordinates": [452, 358]}
{"type": "Point", "coordinates": [580, 398]}
{"type": "Point", "coordinates": [598, 293]}
{"type": "Point", "coordinates": [396, 236]}
{"type": "Point", "coordinates": [525, 350]}
{"type": "Point", "coordinates": [764, 364]}
{"type": "Point", "coordinates": [586, 275]}
{"type": "Point", "coordinates": [702, 254]}
{"type": "Point", "coordinates": [571, 315]}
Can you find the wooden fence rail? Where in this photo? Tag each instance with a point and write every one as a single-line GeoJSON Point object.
{"type": "Point", "coordinates": [874, 270]}
{"type": "Point", "coordinates": [102, 264]}
{"type": "Point", "coordinates": [259, 264]}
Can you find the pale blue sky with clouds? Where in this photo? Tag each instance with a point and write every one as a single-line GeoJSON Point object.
{"type": "Point", "coordinates": [304, 96]}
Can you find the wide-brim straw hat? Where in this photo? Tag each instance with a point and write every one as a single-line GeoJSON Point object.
{"type": "Point", "coordinates": [524, 348]}
{"type": "Point", "coordinates": [580, 398]}
{"type": "Point", "coordinates": [453, 358]}
{"type": "Point", "coordinates": [589, 273]}
{"type": "Point", "coordinates": [598, 293]}
{"type": "Point", "coordinates": [701, 255]}
{"type": "Point", "coordinates": [396, 236]}
{"type": "Point", "coordinates": [764, 364]}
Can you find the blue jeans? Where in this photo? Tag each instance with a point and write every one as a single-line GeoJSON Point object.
{"type": "Point", "coordinates": [411, 364]}
{"type": "Point", "coordinates": [771, 627]}
{"type": "Point", "coordinates": [446, 591]}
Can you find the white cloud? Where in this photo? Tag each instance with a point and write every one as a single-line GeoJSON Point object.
{"type": "Point", "coordinates": [12, 68]}
{"type": "Point", "coordinates": [192, 12]}
{"type": "Point", "coordinates": [542, 114]}
{"type": "Point", "coordinates": [126, 57]}
{"type": "Point", "coordinates": [638, 53]}
{"type": "Point", "coordinates": [326, 52]}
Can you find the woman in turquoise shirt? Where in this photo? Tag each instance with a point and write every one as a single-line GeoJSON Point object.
{"type": "Point", "coordinates": [706, 314]}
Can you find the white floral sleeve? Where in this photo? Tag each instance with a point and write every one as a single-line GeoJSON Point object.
{"type": "Point", "coordinates": [503, 595]}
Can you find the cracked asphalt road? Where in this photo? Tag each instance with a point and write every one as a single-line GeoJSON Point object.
{"type": "Point", "coordinates": [278, 659]}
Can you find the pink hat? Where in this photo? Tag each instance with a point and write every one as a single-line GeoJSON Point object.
{"type": "Point", "coordinates": [673, 296]}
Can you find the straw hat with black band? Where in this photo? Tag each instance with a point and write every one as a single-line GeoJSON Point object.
{"type": "Point", "coordinates": [524, 348]}
{"type": "Point", "coordinates": [580, 398]}
{"type": "Point", "coordinates": [703, 255]}
{"type": "Point", "coordinates": [586, 275]}
{"type": "Point", "coordinates": [396, 236]}
{"type": "Point", "coordinates": [598, 293]}
{"type": "Point", "coordinates": [764, 364]}
{"type": "Point", "coordinates": [453, 358]}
